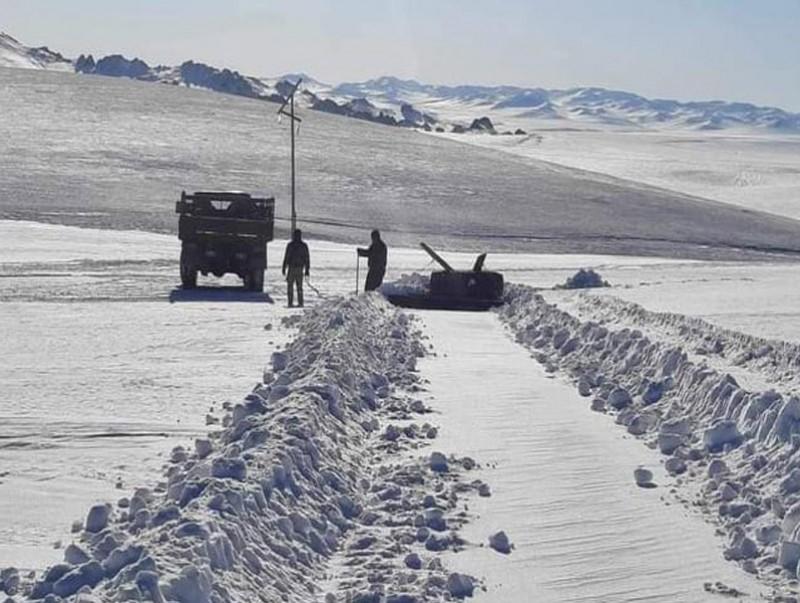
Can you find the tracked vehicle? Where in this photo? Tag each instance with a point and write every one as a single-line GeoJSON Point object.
{"type": "Point", "coordinates": [224, 232]}
{"type": "Point", "coordinates": [452, 289]}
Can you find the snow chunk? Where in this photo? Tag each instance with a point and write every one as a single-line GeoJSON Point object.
{"type": "Point", "coordinates": [121, 557]}
{"type": "Point", "coordinates": [675, 466]}
{"type": "Point", "coordinates": [229, 468]}
{"type": "Point", "coordinates": [438, 462]}
{"type": "Point", "coordinates": [789, 555]}
{"type": "Point", "coordinates": [500, 543]}
{"type": "Point", "coordinates": [619, 398]}
{"type": "Point", "coordinates": [89, 574]}
{"type": "Point", "coordinates": [460, 585]}
{"type": "Point", "coordinates": [191, 586]}
{"type": "Point", "coordinates": [717, 467]}
{"type": "Point", "coordinates": [75, 555]}
{"type": "Point", "coordinates": [9, 581]}
{"type": "Point", "coordinates": [203, 447]}
{"type": "Point", "coordinates": [413, 561]}
{"type": "Point", "coordinates": [97, 519]}
{"type": "Point", "coordinates": [740, 547]}
{"type": "Point", "coordinates": [722, 432]}
{"type": "Point", "coordinates": [279, 361]}
{"type": "Point", "coordinates": [653, 393]}
{"type": "Point", "coordinates": [643, 477]}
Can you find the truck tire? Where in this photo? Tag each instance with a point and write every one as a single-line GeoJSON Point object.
{"type": "Point", "coordinates": [254, 280]}
{"type": "Point", "coordinates": [188, 275]}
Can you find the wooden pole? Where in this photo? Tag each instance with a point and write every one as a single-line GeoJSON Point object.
{"type": "Point", "coordinates": [293, 121]}
{"type": "Point", "coordinates": [292, 125]}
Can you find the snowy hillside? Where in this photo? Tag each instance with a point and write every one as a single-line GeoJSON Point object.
{"type": "Point", "coordinates": [16, 55]}
{"type": "Point", "coordinates": [121, 151]}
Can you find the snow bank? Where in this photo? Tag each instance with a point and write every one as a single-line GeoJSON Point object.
{"type": "Point", "coordinates": [736, 450]}
{"type": "Point", "coordinates": [311, 471]}
{"type": "Point", "coordinates": [407, 284]}
{"type": "Point", "coordinates": [777, 360]}
{"type": "Point", "coordinates": [585, 278]}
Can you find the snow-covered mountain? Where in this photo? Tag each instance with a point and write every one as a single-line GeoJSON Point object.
{"type": "Point", "coordinates": [599, 105]}
{"type": "Point", "coordinates": [16, 55]}
{"type": "Point", "coordinates": [464, 108]}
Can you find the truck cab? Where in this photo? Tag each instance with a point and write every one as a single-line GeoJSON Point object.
{"type": "Point", "coordinates": [224, 232]}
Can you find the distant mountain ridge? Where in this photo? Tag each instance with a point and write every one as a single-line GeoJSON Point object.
{"type": "Point", "coordinates": [601, 104]}
{"type": "Point", "coordinates": [394, 101]}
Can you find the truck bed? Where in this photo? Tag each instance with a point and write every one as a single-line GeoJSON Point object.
{"type": "Point", "coordinates": [193, 227]}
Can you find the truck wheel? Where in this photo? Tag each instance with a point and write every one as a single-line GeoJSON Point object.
{"type": "Point", "coordinates": [254, 281]}
{"type": "Point", "coordinates": [188, 275]}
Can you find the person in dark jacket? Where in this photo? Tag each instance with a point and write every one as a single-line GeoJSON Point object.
{"type": "Point", "coordinates": [296, 262]}
{"type": "Point", "coordinates": [376, 263]}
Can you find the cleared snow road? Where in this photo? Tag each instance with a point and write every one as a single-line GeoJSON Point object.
{"type": "Point", "coordinates": [562, 483]}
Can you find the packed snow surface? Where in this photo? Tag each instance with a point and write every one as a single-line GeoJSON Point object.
{"type": "Point", "coordinates": [561, 485]}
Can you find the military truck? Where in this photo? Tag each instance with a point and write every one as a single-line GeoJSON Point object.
{"type": "Point", "coordinates": [224, 232]}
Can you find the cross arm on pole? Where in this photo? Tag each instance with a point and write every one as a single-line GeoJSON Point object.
{"type": "Point", "coordinates": [289, 97]}
{"type": "Point", "coordinates": [290, 116]}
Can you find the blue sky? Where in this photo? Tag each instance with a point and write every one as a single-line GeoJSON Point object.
{"type": "Point", "coordinates": [745, 50]}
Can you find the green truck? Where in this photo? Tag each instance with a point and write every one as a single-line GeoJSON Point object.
{"type": "Point", "coordinates": [225, 232]}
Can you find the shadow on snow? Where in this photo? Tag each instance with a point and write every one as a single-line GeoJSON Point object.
{"type": "Point", "coordinates": [218, 294]}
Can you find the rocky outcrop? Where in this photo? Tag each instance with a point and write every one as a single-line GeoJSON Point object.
{"type": "Point", "coordinates": [482, 125]}
{"type": "Point", "coordinates": [220, 80]}
{"type": "Point", "coordinates": [85, 64]}
{"type": "Point", "coordinates": [116, 65]}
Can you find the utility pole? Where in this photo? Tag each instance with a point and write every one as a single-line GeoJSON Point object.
{"type": "Point", "coordinates": [292, 120]}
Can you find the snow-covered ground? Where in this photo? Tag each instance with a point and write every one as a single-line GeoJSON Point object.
{"type": "Point", "coordinates": [119, 152]}
{"type": "Point", "coordinates": [102, 373]}
{"type": "Point", "coordinates": [755, 170]}
{"type": "Point", "coordinates": [108, 366]}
